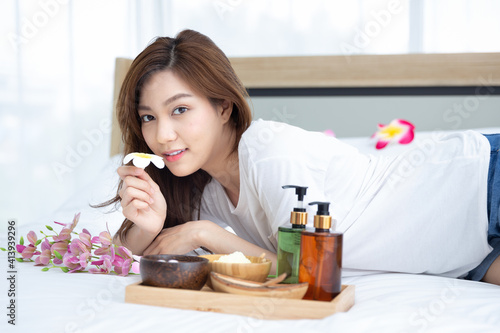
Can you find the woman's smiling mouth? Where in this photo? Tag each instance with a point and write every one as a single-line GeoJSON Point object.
{"type": "Point", "coordinates": [174, 155]}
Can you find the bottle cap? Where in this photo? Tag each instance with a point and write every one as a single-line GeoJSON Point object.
{"type": "Point", "coordinates": [322, 219]}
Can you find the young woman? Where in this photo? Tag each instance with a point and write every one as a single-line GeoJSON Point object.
{"type": "Point", "coordinates": [182, 100]}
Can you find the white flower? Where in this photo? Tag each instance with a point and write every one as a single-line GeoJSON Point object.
{"type": "Point", "coordinates": [142, 160]}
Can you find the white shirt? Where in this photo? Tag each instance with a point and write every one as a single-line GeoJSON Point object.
{"type": "Point", "coordinates": [423, 211]}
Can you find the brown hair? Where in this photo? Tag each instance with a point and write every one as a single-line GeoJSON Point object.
{"type": "Point", "coordinates": [204, 67]}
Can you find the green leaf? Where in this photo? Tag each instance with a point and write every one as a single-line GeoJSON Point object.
{"type": "Point", "coordinates": [49, 227]}
{"type": "Point", "coordinates": [64, 269]}
{"type": "Point", "coordinates": [58, 255]}
{"type": "Point", "coordinates": [1, 248]}
{"type": "Point", "coordinates": [20, 259]}
{"type": "Point", "coordinates": [45, 269]}
{"type": "Point", "coordinates": [38, 242]}
{"type": "Point", "coordinates": [21, 241]}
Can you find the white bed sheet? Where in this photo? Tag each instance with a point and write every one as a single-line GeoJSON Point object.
{"type": "Point", "coordinates": [58, 302]}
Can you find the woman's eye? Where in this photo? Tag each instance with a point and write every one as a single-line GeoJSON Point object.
{"type": "Point", "coordinates": [180, 110]}
{"type": "Point", "coordinates": [147, 118]}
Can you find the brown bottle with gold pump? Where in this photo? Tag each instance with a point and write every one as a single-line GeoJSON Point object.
{"type": "Point", "coordinates": [321, 257]}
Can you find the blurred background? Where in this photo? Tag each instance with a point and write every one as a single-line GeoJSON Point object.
{"type": "Point", "coordinates": [57, 66]}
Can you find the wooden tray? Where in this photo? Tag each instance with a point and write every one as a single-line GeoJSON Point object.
{"type": "Point", "coordinates": [258, 307]}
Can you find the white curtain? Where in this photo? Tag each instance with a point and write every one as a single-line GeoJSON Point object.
{"type": "Point", "coordinates": [57, 59]}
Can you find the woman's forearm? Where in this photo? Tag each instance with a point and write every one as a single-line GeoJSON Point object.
{"type": "Point", "coordinates": [219, 240]}
{"type": "Point", "coordinates": [137, 240]}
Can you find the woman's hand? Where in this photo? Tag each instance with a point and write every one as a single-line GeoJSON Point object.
{"type": "Point", "coordinates": [180, 239]}
{"type": "Point", "coordinates": [142, 200]}
{"type": "Point", "coordinates": [189, 236]}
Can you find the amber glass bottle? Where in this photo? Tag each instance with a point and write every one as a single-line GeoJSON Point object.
{"type": "Point", "coordinates": [321, 257]}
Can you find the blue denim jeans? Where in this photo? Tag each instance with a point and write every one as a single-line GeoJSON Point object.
{"type": "Point", "coordinates": [493, 209]}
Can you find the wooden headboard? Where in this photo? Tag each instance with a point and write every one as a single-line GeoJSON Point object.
{"type": "Point", "coordinates": [354, 71]}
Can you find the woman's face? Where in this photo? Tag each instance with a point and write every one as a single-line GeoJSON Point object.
{"type": "Point", "coordinates": [182, 126]}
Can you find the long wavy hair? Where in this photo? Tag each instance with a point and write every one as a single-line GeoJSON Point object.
{"type": "Point", "coordinates": [205, 68]}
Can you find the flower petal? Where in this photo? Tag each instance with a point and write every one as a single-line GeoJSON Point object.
{"type": "Point", "coordinates": [381, 144]}
{"type": "Point", "coordinates": [65, 234]}
{"type": "Point", "coordinates": [158, 162]}
{"type": "Point", "coordinates": [124, 252]}
{"type": "Point", "coordinates": [136, 267]}
{"type": "Point", "coordinates": [75, 221]}
{"type": "Point", "coordinates": [29, 251]}
{"type": "Point", "coordinates": [43, 259]}
{"type": "Point", "coordinates": [60, 247]}
{"type": "Point", "coordinates": [128, 158]}
{"type": "Point", "coordinates": [85, 239]}
{"type": "Point", "coordinates": [407, 137]}
{"type": "Point", "coordinates": [407, 123]}
{"type": "Point", "coordinates": [141, 162]}
{"type": "Point", "coordinates": [105, 238]}
{"type": "Point", "coordinates": [32, 238]}
{"type": "Point", "coordinates": [20, 248]}
{"type": "Point", "coordinates": [45, 244]}
{"type": "Point", "coordinates": [102, 251]}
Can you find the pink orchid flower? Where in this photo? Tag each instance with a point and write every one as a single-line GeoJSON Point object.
{"type": "Point", "coordinates": [78, 247]}
{"type": "Point", "coordinates": [104, 266]}
{"type": "Point", "coordinates": [78, 253]}
{"type": "Point", "coordinates": [71, 225]}
{"type": "Point", "coordinates": [65, 233]}
{"type": "Point", "coordinates": [27, 251]}
{"type": "Point", "coordinates": [72, 262]}
{"type": "Point", "coordinates": [124, 252]}
{"type": "Point", "coordinates": [105, 240]}
{"type": "Point", "coordinates": [105, 263]}
{"type": "Point", "coordinates": [32, 238]}
{"type": "Point", "coordinates": [85, 238]}
{"type": "Point", "coordinates": [398, 130]}
{"type": "Point", "coordinates": [123, 261]}
{"type": "Point", "coordinates": [61, 248]}
{"type": "Point", "coordinates": [73, 254]}
{"type": "Point", "coordinates": [122, 268]}
{"type": "Point", "coordinates": [84, 259]}
{"type": "Point", "coordinates": [44, 258]}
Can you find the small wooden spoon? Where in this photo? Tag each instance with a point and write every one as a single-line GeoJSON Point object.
{"type": "Point", "coordinates": [273, 281]}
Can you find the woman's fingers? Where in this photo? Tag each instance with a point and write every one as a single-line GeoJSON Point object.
{"type": "Point", "coordinates": [129, 194]}
{"type": "Point", "coordinates": [133, 171]}
{"type": "Point", "coordinates": [141, 199]}
{"type": "Point", "coordinates": [138, 183]}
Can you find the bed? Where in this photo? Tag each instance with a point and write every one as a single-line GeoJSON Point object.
{"type": "Point", "coordinates": [54, 301]}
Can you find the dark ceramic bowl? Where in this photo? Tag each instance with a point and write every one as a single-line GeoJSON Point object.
{"type": "Point", "coordinates": [174, 271]}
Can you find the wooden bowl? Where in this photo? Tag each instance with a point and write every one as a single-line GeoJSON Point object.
{"type": "Point", "coordinates": [232, 285]}
{"type": "Point", "coordinates": [257, 270]}
{"type": "Point", "coordinates": [182, 272]}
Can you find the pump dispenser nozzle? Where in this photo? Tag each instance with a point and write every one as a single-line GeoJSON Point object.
{"type": "Point", "coordinates": [300, 191]}
{"type": "Point", "coordinates": [322, 219]}
{"type": "Point", "coordinates": [299, 215]}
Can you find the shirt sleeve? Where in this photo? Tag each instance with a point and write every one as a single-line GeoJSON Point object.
{"type": "Point", "coordinates": [208, 208]}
